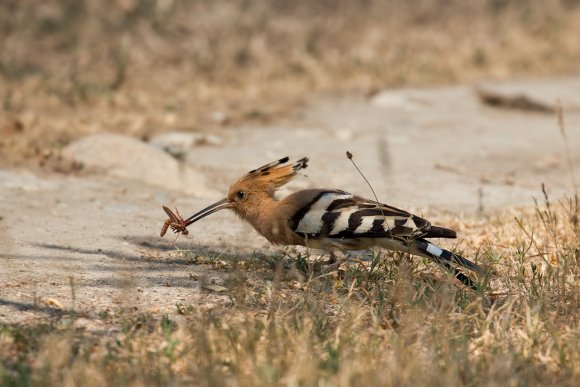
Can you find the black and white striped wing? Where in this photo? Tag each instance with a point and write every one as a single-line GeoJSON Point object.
{"type": "Point", "coordinates": [338, 214]}
{"type": "Point", "coordinates": [350, 220]}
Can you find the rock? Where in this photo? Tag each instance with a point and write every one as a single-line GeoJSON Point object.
{"type": "Point", "coordinates": [126, 157]}
{"type": "Point", "coordinates": [396, 99]}
{"type": "Point", "coordinates": [178, 144]}
{"type": "Point", "coordinates": [216, 288]}
{"type": "Point", "coordinates": [538, 96]}
{"type": "Point", "coordinates": [90, 325]}
{"type": "Point", "coordinates": [219, 117]}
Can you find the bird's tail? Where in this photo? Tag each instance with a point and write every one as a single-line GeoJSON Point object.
{"type": "Point", "coordinates": [445, 258]}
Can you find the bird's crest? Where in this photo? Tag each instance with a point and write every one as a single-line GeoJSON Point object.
{"type": "Point", "coordinates": [273, 175]}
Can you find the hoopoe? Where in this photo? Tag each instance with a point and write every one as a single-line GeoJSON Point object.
{"type": "Point", "coordinates": [326, 219]}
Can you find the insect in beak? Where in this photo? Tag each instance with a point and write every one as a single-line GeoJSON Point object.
{"type": "Point", "coordinates": [179, 225]}
{"type": "Point", "coordinates": [176, 222]}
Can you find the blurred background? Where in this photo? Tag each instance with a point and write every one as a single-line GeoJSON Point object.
{"type": "Point", "coordinates": [141, 67]}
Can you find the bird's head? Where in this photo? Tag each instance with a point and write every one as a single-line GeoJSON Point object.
{"type": "Point", "coordinates": [248, 192]}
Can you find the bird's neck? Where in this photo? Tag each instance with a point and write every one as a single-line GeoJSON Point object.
{"type": "Point", "coordinates": [261, 213]}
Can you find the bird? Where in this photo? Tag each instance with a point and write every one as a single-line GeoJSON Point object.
{"type": "Point", "coordinates": [331, 220]}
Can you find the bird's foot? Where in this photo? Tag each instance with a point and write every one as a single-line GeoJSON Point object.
{"type": "Point", "coordinates": [331, 259]}
{"type": "Point", "coordinates": [334, 266]}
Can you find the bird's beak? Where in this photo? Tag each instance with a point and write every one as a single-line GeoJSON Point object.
{"type": "Point", "coordinates": [224, 203]}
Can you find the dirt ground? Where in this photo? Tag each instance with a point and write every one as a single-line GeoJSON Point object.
{"type": "Point", "coordinates": [90, 242]}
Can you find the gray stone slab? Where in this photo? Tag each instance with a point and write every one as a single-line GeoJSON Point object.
{"type": "Point", "coordinates": [126, 157]}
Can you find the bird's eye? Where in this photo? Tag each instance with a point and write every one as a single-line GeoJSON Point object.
{"type": "Point", "coordinates": [240, 195]}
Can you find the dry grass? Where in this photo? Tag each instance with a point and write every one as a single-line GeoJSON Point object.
{"type": "Point", "coordinates": [393, 321]}
{"type": "Point", "coordinates": [71, 67]}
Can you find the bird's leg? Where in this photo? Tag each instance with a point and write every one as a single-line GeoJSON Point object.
{"type": "Point", "coordinates": [334, 263]}
{"type": "Point", "coordinates": [332, 258]}
{"type": "Point", "coordinates": [321, 266]}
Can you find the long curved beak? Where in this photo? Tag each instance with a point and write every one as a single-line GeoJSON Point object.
{"type": "Point", "coordinates": [224, 203]}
